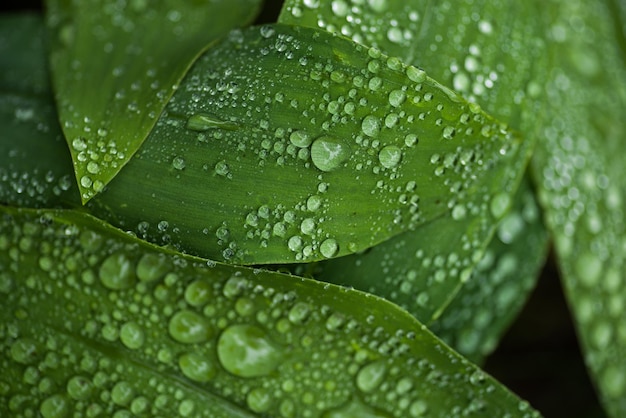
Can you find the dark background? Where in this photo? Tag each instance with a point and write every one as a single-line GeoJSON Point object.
{"type": "Point", "coordinates": [539, 357]}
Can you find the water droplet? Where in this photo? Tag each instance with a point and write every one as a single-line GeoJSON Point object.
{"type": "Point", "coordinates": [313, 203]}
{"type": "Point", "coordinates": [295, 243]}
{"type": "Point", "coordinates": [189, 327]}
{"type": "Point", "coordinates": [197, 367]}
{"type": "Point", "coordinates": [132, 335]}
{"type": "Point", "coordinates": [222, 168]}
{"type": "Point", "coordinates": [151, 267]}
{"type": "Point", "coordinates": [308, 226]}
{"type": "Point", "coordinates": [329, 248]}
{"type": "Point", "coordinates": [371, 376]}
{"type": "Point", "coordinates": [299, 312]}
{"type": "Point", "coordinates": [589, 269]}
{"type": "Point", "coordinates": [116, 272]}
{"type": "Point", "coordinates": [246, 351]}
{"type": "Point", "coordinates": [370, 125]}
{"type": "Point", "coordinates": [500, 205]}
{"type": "Point", "coordinates": [198, 293]}
{"type": "Point", "coordinates": [122, 393]}
{"type": "Point", "coordinates": [24, 351]}
{"type": "Point", "coordinates": [378, 6]}
{"type": "Point", "coordinates": [79, 388]}
{"type": "Point", "coordinates": [300, 139]}
{"type": "Point", "coordinates": [178, 163]}
{"type": "Point", "coordinates": [449, 132]}
{"type": "Point", "coordinates": [415, 74]}
{"type": "Point", "coordinates": [340, 8]}
{"type": "Point", "coordinates": [259, 400]}
{"type": "Point", "coordinates": [55, 406]}
{"type": "Point", "coordinates": [267, 31]}
{"type": "Point", "coordinates": [202, 122]}
{"type": "Point", "coordinates": [397, 97]}
{"type": "Point", "coordinates": [329, 153]}
{"type": "Point", "coordinates": [390, 156]}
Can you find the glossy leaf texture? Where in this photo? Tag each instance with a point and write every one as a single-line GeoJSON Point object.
{"type": "Point", "coordinates": [116, 64]}
{"type": "Point", "coordinates": [35, 165]}
{"type": "Point", "coordinates": [580, 169]}
{"type": "Point", "coordinates": [287, 144]}
{"type": "Point", "coordinates": [490, 300]}
{"type": "Point", "coordinates": [95, 321]}
{"type": "Point", "coordinates": [454, 42]}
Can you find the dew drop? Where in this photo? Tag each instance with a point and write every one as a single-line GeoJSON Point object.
{"type": "Point", "coordinates": [589, 269]}
{"type": "Point", "coordinates": [415, 74]}
{"type": "Point", "coordinates": [355, 408]}
{"type": "Point", "coordinates": [116, 272]}
{"type": "Point", "coordinates": [329, 248]}
{"type": "Point", "coordinates": [295, 243]}
{"type": "Point", "coordinates": [397, 97]}
{"type": "Point", "coordinates": [259, 400]}
{"type": "Point", "coordinates": [328, 153]}
{"type": "Point", "coordinates": [55, 406]}
{"type": "Point", "coordinates": [122, 393]}
{"type": "Point", "coordinates": [189, 327]}
{"type": "Point", "coordinates": [24, 351]}
{"type": "Point", "coordinates": [390, 156]}
{"type": "Point", "coordinates": [300, 139]}
{"type": "Point", "coordinates": [197, 367]}
{"type": "Point", "coordinates": [198, 293]}
{"type": "Point", "coordinates": [203, 122]}
{"type": "Point", "coordinates": [151, 267]}
{"type": "Point", "coordinates": [79, 388]}
{"type": "Point", "coordinates": [179, 163]}
{"type": "Point", "coordinates": [499, 205]}
{"type": "Point", "coordinates": [370, 125]}
{"type": "Point", "coordinates": [132, 335]}
{"type": "Point", "coordinates": [313, 203]}
{"type": "Point", "coordinates": [246, 351]}
{"type": "Point", "coordinates": [371, 376]}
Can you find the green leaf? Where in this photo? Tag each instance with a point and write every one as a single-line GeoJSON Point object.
{"type": "Point", "coordinates": [35, 165]}
{"type": "Point", "coordinates": [423, 270]}
{"type": "Point", "coordinates": [579, 168]}
{"type": "Point", "coordinates": [491, 299]}
{"type": "Point", "coordinates": [116, 64]}
{"type": "Point", "coordinates": [288, 144]}
{"type": "Point", "coordinates": [97, 321]}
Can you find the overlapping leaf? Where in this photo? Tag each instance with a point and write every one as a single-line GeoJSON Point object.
{"type": "Point", "coordinates": [35, 165]}
{"type": "Point", "coordinates": [491, 299]}
{"type": "Point", "coordinates": [580, 171]}
{"type": "Point", "coordinates": [288, 144]}
{"type": "Point", "coordinates": [116, 64]}
{"type": "Point", "coordinates": [98, 322]}
{"type": "Point", "coordinates": [422, 270]}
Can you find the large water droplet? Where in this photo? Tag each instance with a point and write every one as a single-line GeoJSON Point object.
{"type": "Point", "coordinates": [329, 153]}
{"type": "Point", "coordinates": [116, 272]}
{"type": "Point", "coordinates": [189, 327]}
{"type": "Point", "coordinates": [500, 204]}
{"type": "Point", "coordinates": [259, 400]}
{"type": "Point", "coordinates": [79, 388]}
{"type": "Point", "coordinates": [198, 293]}
{"type": "Point", "coordinates": [151, 267]}
{"type": "Point", "coordinates": [247, 351]}
{"type": "Point", "coordinates": [55, 406]}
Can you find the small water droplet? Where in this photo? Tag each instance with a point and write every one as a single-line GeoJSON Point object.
{"type": "Point", "coordinates": [201, 122]}
{"type": "Point", "coordinates": [132, 335]}
{"type": "Point", "coordinates": [300, 139]}
{"type": "Point", "coordinates": [415, 74]}
{"type": "Point", "coordinates": [500, 205]}
{"type": "Point", "coordinates": [178, 163]}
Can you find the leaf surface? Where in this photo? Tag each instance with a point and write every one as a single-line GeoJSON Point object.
{"type": "Point", "coordinates": [97, 321]}
{"type": "Point", "coordinates": [580, 168]}
{"type": "Point", "coordinates": [422, 270]}
{"type": "Point", "coordinates": [490, 300]}
{"type": "Point", "coordinates": [35, 164]}
{"type": "Point", "coordinates": [288, 144]}
{"type": "Point", "coordinates": [116, 64]}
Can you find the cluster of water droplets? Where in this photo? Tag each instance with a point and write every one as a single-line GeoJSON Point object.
{"type": "Point", "coordinates": [242, 336]}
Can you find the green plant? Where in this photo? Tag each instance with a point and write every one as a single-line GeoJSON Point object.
{"type": "Point", "coordinates": [288, 219]}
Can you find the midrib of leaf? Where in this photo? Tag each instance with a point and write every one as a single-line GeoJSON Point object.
{"type": "Point", "coordinates": [98, 284]}
{"type": "Point", "coordinates": [115, 66]}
